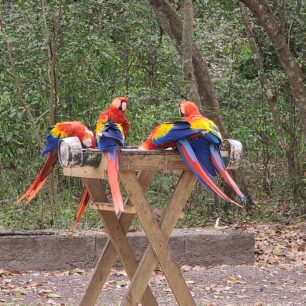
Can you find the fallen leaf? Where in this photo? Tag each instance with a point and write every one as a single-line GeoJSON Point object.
{"type": "Point", "coordinates": [186, 268]}
{"type": "Point", "coordinates": [121, 284]}
{"type": "Point", "coordinates": [302, 247]}
{"type": "Point", "coordinates": [51, 302]}
{"type": "Point", "coordinates": [5, 273]}
{"type": "Point", "coordinates": [14, 271]}
{"type": "Point", "coordinates": [120, 273]}
{"type": "Point", "coordinates": [233, 280]}
{"type": "Point", "coordinates": [77, 271]}
{"type": "Point", "coordinates": [242, 296]}
{"type": "Point", "coordinates": [210, 287]}
{"type": "Point", "coordinates": [54, 295]}
{"type": "Point", "coordinates": [277, 251]}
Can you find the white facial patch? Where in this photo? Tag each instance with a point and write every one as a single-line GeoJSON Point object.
{"type": "Point", "coordinates": [123, 106]}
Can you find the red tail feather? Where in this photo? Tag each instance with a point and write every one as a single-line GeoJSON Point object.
{"type": "Point", "coordinates": [112, 171]}
{"type": "Point", "coordinates": [40, 178]}
{"type": "Point", "coordinates": [82, 207]}
{"type": "Point", "coordinates": [197, 167]}
{"type": "Point", "coordinates": [224, 173]}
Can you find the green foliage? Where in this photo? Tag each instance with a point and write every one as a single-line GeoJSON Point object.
{"type": "Point", "coordinates": [111, 48]}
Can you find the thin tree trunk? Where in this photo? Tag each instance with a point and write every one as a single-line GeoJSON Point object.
{"type": "Point", "coordinates": [268, 92]}
{"type": "Point", "coordinates": [17, 85]}
{"type": "Point", "coordinates": [289, 150]}
{"type": "Point", "coordinates": [173, 26]}
{"type": "Point", "coordinates": [262, 11]}
{"type": "Point", "coordinates": [170, 21]}
{"type": "Point", "coordinates": [52, 52]}
{"type": "Point", "coordinates": [187, 43]}
{"type": "Point", "coordinates": [90, 92]}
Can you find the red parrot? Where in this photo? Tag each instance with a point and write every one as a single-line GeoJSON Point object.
{"type": "Point", "coordinates": [115, 113]}
{"type": "Point", "coordinates": [198, 140]}
{"type": "Point", "coordinates": [58, 131]}
{"type": "Point", "coordinates": [109, 139]}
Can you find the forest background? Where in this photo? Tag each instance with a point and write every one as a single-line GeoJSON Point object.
{"type": "Point", "coordinates": [66, 59]}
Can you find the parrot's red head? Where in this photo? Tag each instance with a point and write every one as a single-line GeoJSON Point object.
{"type": "Point", "coordinates": [88, 139]}
{"type": "Point", "coordinates": [188, 109]}
{"type": "Point", "coordinates": [120, 103]}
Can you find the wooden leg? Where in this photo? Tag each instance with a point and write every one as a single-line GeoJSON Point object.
{"type": "Point", "coordinates": [158, 236]}
{"type": "Point", "coordinates": [109, 253]}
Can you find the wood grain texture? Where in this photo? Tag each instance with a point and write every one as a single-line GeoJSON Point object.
{"type": "Point", "coordinates": [110, 207]}
{"type": "Point", "coordinates": [157, 240]}
{"type": "Point", "coordinates": [109, 253]}
{"type": "Point", "coordinates": [133, 159]}
{"type": "Point", "coordinates": [168, 221]}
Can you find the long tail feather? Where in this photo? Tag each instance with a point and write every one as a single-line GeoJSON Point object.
{"type": "Point", "coordinates": [188, 155]}
{"type": "Point", "coordinates": [82, 207]}
{"type": "Point", "coordinates": [218, 163]}
{"type": "Point", "coordinates": [112, 162]}
{"type": "Point", "coordinates": [33, 192]}
{"type": "Point", "coordinates": [40, 178]}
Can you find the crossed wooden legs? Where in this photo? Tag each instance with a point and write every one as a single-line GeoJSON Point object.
{"type": "Point", "coordinates": [158, 249]}
{"type": "Point", "coordinates": [117, 244]}
{"type": "Point", "coordinates": [158, 235]}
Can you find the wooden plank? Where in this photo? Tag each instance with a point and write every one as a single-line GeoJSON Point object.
{"type": "Point", "coordinates": [156, 160]}
{"type": "Point", "coordinates": [110, 207]}
{"type": "Point", "coordinates": [157, 239]}
{"type": "Point", "coordinates": [118, 238]}
{"type": "Point", "coordinates": [123, 249]}
{"type": "Point", "coordinates": [109, 254]}
{"type": "Point", "coordinates": [168, 221]}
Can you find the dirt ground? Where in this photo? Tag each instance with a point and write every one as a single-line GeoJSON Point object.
{"type": "Point", "coordinates": [277, 278]}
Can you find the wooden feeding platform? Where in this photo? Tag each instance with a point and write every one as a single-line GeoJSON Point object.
{"type": "Point", "coordinates": [137, 169]}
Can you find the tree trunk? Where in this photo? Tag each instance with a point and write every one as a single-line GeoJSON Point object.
{"type": "Point", "coordinates": [267, 91]}
{"type": "Point", "coordinates": [173, 26]}
{"type": "Point", "coordinates": [170, 21]}
{"type": "Point", "coordinates": [52, 52]}
{"type": "Point", "coordinates": [291, 149]}
{"type": "Point", "coordinates": [187, 42]}
{"type": "Point", "coordinates": [17, 85]}
{"type": "Point", "coordinates": [261, 9]}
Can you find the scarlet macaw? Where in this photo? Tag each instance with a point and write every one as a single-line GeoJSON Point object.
{"type": "Point", "coordinates": [198, 141]}
{"type": "Point", "coordinates": [109, 139]}
{"type": "Point", "coordinates": [58, 131]}
{"type": "Point", "coordinates": [116, 114]}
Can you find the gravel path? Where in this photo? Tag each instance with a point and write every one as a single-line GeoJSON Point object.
{"type": "Point", "coordinates": [278, 278]}
{"type": "Point", "coordinates": [225, 285]}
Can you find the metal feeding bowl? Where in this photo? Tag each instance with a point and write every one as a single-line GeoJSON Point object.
{"type": "Point", "coordinates": [70, 152]}
{"type": "Point", "coordinates": [235, 152]}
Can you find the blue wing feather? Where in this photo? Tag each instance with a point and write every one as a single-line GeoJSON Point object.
{"type": "Point", "coordinates": [191, 153]}
{"type": "Point", "coordinates": [201, 148]}
{"type": "Point", "coordinates": [52, 143]}
{"type": "Point", "coordinates": [112, 138]}
{"type": "Point", "coordinates": [179, 130]}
